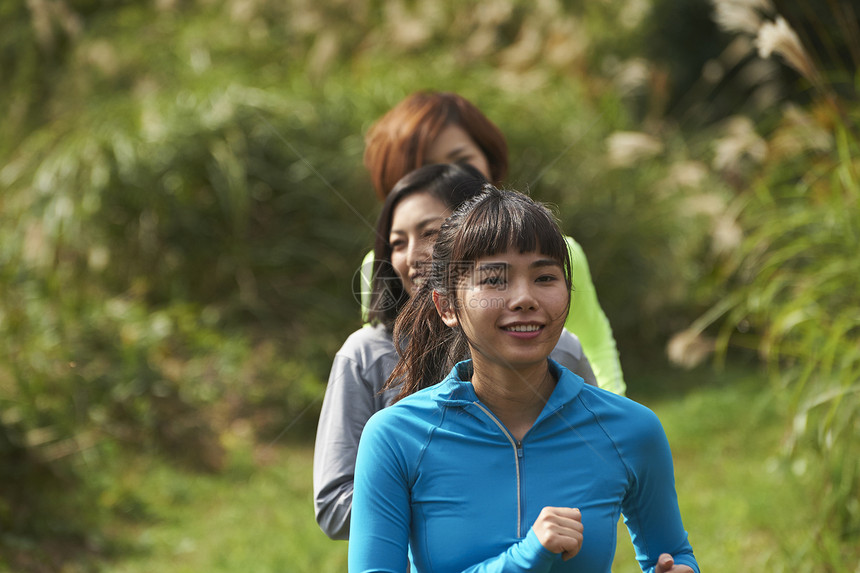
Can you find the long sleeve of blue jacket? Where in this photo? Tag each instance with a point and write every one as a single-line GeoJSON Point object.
{"type": "Point", "coordinates": [381, 544]}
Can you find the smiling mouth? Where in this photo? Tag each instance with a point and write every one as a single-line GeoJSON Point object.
{"type": "Point", "coordinates": [523, 328]}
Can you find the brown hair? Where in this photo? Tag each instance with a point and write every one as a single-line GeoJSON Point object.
{"type": "Point", "coordinates": [397, 143]}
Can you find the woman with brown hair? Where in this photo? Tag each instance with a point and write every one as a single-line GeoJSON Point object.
{"type": "Point", "coordinates": [438, 127]}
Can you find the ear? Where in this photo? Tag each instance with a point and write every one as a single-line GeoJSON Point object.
{"type": "Point", "coordinates": [445, 309]}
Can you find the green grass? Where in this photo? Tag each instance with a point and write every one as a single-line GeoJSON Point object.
{"type": "Point", "coordinates": [739, 510]}
{"type": "Point", "coordinates": [257, 517]}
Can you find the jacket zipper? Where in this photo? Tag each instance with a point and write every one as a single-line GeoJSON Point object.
{"type": "Point", "coordinates": [521, 494]}
{"type": "Point", "coordinates": [518, 456]}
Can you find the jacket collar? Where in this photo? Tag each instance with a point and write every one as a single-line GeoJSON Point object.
{"type": "Point", "coordinates": [456, 389]}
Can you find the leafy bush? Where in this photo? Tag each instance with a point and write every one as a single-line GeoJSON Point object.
{"type": "Point", "coordinates": [167, 266]}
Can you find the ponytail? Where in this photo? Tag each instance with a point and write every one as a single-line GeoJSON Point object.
{"type": "Point", "coordinates": [428, 348]}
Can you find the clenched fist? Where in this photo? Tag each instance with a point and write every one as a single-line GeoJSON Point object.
{"type": "Point", "coordinates": [559, 530]}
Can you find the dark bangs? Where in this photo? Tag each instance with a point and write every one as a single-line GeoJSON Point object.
{"type": "Point", "coordinates": [507, 220]}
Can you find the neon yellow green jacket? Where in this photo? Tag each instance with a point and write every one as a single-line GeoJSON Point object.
{"type": "Point", "coordinates": [588, 322]}
{"type": "Point", "coordinates": [585, 319]}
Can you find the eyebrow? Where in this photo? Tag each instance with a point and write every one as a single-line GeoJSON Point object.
{"type": "Point", "coordinates": [535, 264]}
{"type": "Point", "coordinates": [456, 151]}
{"type": "Point", "coordinates": [545, 263]}
{"type": "Point", "coordinates": [420, 225]}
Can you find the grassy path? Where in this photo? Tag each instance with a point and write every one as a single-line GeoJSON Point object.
{"type": "Point", "coordinates": [257, 517]}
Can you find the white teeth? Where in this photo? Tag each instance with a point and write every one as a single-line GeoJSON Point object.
{"type": "Point", "coordinates": [523, 328]}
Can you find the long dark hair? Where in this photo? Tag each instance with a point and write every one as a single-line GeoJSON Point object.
{"type": "Point", "coordinates": [450, 183]}
{"type": "Point", "coordinates": [489, 224]}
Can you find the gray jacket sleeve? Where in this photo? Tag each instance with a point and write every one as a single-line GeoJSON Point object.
{"type": "Point", "coordinates": [568, 352]}
{"type": "Point", "coordinates": [352, 396]}
{"type": "Point", "coordinates": [348, 404]}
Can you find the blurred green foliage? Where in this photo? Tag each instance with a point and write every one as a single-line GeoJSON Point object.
{"type": "Point", "coordinates": [184, 207]}
{"type": "Point", "coordinates": [788, 289]}
{"type": "Point", "coordinates": [792, 281]}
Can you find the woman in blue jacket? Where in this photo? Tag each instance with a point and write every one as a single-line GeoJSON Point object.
{"type": "Point", "coordinates": [511, 463]}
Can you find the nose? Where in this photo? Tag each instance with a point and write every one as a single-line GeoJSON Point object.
{"type": "Point", "coordinates": [419, 253]}
{"type": "Point", "coordinates": [520, 295]}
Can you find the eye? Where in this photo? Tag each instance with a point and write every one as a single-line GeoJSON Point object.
{"type": "Point", "coordinates": [397, 244]}
{"type": "Point", "coordinates": [547, 278]}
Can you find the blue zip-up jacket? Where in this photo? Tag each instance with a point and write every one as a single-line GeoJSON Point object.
{"type": "Point", "coordinates": [438, 473]}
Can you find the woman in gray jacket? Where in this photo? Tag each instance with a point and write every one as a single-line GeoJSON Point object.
{"type": "Point", "coordinates": [405, 233]}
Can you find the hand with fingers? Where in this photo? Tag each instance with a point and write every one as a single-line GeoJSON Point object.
{"type": "Point", "coordinates": [666, 564]}
{"type": "Point", "coordinates": [559, 530]}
